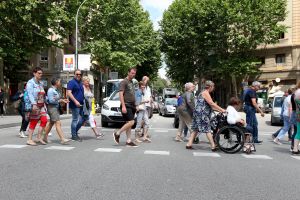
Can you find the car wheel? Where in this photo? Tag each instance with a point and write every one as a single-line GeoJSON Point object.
{"type": "Point", "coordinates": [104, 124]}
{"type": "Point", "coordinates": [159, 113]}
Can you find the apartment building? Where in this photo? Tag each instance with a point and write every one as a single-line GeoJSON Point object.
{"type": "Point", "coordinates": [281, 62]}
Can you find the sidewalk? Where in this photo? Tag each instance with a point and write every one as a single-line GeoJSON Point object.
{"type": "Point", "coordinates": [15, 120]}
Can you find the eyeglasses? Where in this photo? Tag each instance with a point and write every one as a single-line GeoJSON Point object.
{"type": "Point", "coordinates": [78, 74]}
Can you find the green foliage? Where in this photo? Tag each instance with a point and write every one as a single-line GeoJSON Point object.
{"type": "Point", "coordinates": [28, 26]}
{"type": "Point", "coordinates": [216, 38]}
{"type": "Point", "coordinates": [120, 35]}
{"type": "Point", "coordinates": [159, 84]}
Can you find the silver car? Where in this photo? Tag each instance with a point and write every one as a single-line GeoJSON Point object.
{"type": "Point", "coordinates": [168, 107]}
{"type": "Point", "coordinates": [276, 110]}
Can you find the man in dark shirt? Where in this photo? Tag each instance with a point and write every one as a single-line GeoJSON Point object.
{"type": "Point", "coordinates": [250, 100]}
{"type": "Point", "coordinates": [127, 98]}
{"type": "Point", "coordinates": [75, 93]}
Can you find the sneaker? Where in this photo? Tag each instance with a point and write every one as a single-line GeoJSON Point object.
{"type": "Point", "coordinates": [22, 134]}
{"type": "Point", "coordinates": [277, 142]}
{"type": "Point", "coordinates": [76, 138]}
{"type": "Point", "coordinates": [116, 137]}
{"type": "Point", "coordinates": [131, 144]}
{"type": "Point", "coordinates": [252, 148]}
{"type": "Point", "coordinates": [98, 136]}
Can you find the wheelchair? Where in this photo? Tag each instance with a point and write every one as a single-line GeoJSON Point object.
{"type": "Point", "coordinates": [230, 138]}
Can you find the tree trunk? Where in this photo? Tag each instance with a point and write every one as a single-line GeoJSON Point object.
{"type": "Point", "coordinates": [1, 73]}
{"type": "Point", "coordinates": [234, 86]}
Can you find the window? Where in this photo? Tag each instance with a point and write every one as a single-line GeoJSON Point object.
{"type": "Point", "coordinates": [281, 35]}
{"type": "Point", "coordinates": [280, 58]}
{"type": "Point", "coordinates": [44, 59]}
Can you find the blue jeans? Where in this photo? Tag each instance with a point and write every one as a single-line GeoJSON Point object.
{"type": "Point", "coordinates": [251, 121]}
{"type": "Point", "coordinates": [77, 121]}
{"type": "Point", "coordinates": [286, 126]}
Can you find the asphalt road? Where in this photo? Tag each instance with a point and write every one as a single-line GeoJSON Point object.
{"type": "Point", "coordinates": [163, 169]}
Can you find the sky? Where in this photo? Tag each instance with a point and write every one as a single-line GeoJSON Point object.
{"type": "Point", "coordinates": [156, 9]}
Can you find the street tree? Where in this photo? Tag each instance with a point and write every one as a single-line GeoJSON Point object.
{"type": "Point", "coordinates": [29, 26]}
{"type": "Point", "coordinates": [216, 39]}
{"type": "Point", "coordinates": [120, 35]}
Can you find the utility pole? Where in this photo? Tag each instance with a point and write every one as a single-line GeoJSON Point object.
{"type": "Point", "coordinates": [76, 36]}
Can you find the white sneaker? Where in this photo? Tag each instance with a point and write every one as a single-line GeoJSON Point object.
{"type": "Point", "coordinates": [277, 142]}
{"type": "Point", "coordinates": [22, 134]}
{"type": "Point", "coordinates": [50, 134]}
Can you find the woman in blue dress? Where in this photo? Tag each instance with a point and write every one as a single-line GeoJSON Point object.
{"type": "Point", "coordinates": [201, 116]}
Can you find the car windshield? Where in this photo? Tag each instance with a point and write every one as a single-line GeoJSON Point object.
{"type": "Point", "coordinates": [277, 102]}
{"type": "Point", "coordinates": [115, 97]}
{"type": "Point", "coordinates": [172, 102]}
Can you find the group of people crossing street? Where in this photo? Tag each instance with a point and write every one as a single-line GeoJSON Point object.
{"type": "Point", "coordinates": [194, 111]}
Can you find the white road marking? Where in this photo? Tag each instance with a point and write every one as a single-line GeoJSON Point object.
{"type": "Point", "coordinates": [161, 131]}
{"type": "Point", "coordinates": [216, 155]}
{"type": "Point", "coordinates": [109, 150]}
{"type": "Point", "coordinates": [13, 146]}
{"type": "Point", "coordinates": [60, 148]}
{"type": "Point", "coordinates": [165, 153]}
{"type": "Point", "coordinates": [258, 156]}
{"type": "Point", "coordinates": [296, 157]}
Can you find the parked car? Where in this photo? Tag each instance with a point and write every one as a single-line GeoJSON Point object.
{"type": "Point", "coordinates": [168, 107]}
{"type": "Point", "coordinates": [155, 107]}
{"type": "Point", "coordinates": [111, 112]}
{"type": "Point", "coordinates": [276, 110]}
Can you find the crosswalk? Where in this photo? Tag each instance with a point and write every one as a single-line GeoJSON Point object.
{"type": "Point", "coordinates": [147, 152]}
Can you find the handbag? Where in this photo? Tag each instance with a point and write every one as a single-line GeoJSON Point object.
{"type": "Point", "coordinates": [60, 109]}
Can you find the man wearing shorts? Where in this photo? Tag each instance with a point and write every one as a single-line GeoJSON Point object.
{"type": "Point", "coordinates": [127, 98]}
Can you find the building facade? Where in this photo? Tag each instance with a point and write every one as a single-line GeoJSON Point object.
{"type": "Point", "coordinates": [281, 62]}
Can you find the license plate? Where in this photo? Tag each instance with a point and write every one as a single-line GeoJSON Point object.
{"type": "Point", "coordinates": [117, 114]}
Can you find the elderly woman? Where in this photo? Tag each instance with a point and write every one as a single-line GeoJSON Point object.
{"type": "Point", "coordinates": [185, 110]}
{"type": "Point", "coordinates": [36, 101]}
{"type": "Point", "coordinates": [54, 100]}
{"type": "Point", "coordinates": [87, 106]}
{"type": "Point", "coordinates": [201, 117]}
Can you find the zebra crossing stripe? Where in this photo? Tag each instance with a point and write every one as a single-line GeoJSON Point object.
{"type": "Point", "coordinates": [258, 156]}
{"type": "Point", "coordinates": [60, 148]}
{"type": "Point", "coordinates": [296, 157]}
{"type": "Point", "coordinates": [165, 153]}
{"type": "Point", "coordinates": [108, 150]}
{"type": "Point", "coordinates": [200, 154]}
{"type": "Point", "coordinates": [161, 131]}
{"type": "Point", "coordinates": [13, 146]}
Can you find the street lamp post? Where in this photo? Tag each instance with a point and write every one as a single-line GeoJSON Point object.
{"type": "Point", "coordinates": [76, 36]}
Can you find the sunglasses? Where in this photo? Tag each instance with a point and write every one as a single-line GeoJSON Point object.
{"type": "Point", "coordinates": [78, 74]}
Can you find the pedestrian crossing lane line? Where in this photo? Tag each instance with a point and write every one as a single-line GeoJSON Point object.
{"type": "Point", "coordinates": [12, 146]}
{"type": "Point", "coordinates": [108, 150]}
{"type": "Point", "coordinates": [200, 154]}
{"type": "Point", "coordinates": [150, 152]}
{"type": "Point", "coordinates": [61, 148]}
{"type": "Point", "coordinates": [161, 131]}
{"type": "Point", "coordinates": [296, 157]}
{"type": "Point", "coordinates": [265, 157]}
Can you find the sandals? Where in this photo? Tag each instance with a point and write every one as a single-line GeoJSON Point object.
{"type": "Point", "coordinates": [98, 136]}
{"type": "Point", "coordinates": [189, 147]}
{"type": "Point", "coordinates": [31, 143]}
{"type": "Point", "coordinates": [178, 139]}
{"type": "Point", "coordinates": [65, 141]}
{"type": "Point", "coordinates": [40, 141]}
{"type": "Point", "coordinates": [147, 140]}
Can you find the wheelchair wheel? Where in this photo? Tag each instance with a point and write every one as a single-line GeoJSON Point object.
{"type": "Point", "coordinates": [230, 139]}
